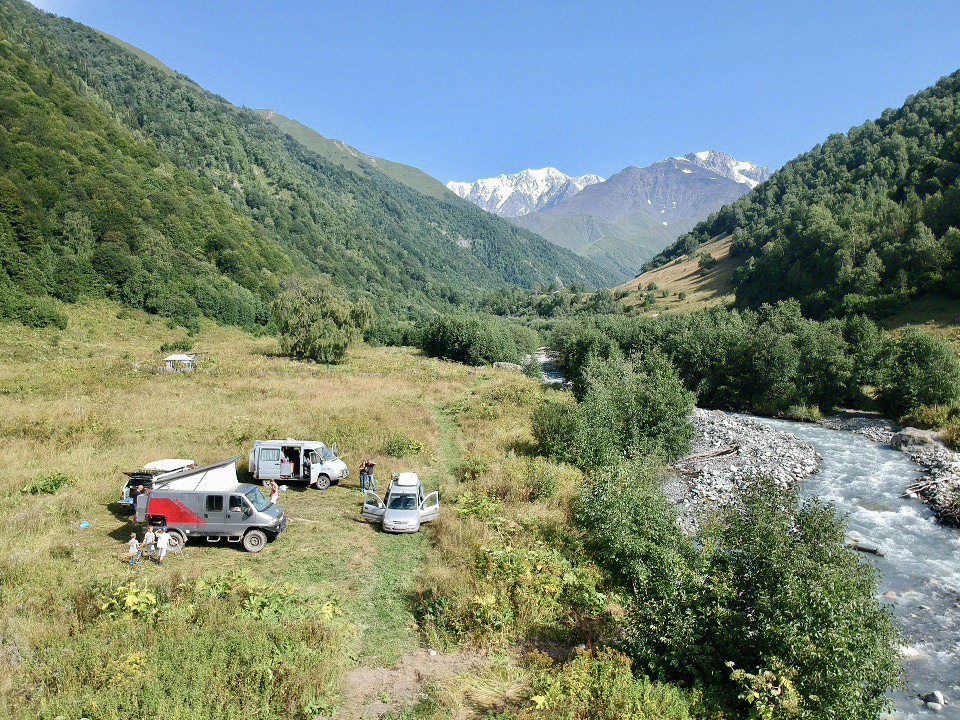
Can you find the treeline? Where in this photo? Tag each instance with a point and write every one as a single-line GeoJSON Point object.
{"type": "Point", "coordinates": [772, 360]}
{"type": "Point", "coordinates": [120, 180]}
{"type": "Point", "coordinates": [860, 223]}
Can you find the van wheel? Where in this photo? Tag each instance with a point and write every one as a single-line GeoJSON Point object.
{"type": "Point", "coordinates": [323, 482]}
{"type": "Point", "coordinates": [177, 540]}
{"type": "Point", "coordinates": [255, 541]}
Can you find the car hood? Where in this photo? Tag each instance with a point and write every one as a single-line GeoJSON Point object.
{"type": "Point", "coordinates": [392, 516]}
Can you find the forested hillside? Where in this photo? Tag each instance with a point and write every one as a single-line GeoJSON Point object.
{"type": "Point", "coordinates": [120, 179]}
{"type": "Point", "coordinates": [861, 223]}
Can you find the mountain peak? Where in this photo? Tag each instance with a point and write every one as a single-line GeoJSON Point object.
{"type": "Point", "coordinates": [522, 193]}
{"type": "Point", "coordinates": [740, 171]}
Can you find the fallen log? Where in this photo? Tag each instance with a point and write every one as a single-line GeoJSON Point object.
{"type": "Point", "coordinates": [729, 450]}
{"type": "Point", "coordinates": [868, 549]}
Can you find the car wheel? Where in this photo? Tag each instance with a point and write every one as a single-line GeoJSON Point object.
{"type": "Point", "coordinates": [177, 541]}
{"type": "Point", "coordinates": [323, 482]}
{"type": "Point", "coordinates": [255, 541]}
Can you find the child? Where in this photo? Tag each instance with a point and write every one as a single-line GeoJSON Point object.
{"type": "Point", "coordinates": [149, 541]}
{"type": "Point", "coordinates": [163, 542]}
{"type": "Point", "coordinates": [134, 548]}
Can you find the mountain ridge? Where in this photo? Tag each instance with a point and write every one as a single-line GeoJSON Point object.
{"type": "Point", "coordinates": [623, 221]}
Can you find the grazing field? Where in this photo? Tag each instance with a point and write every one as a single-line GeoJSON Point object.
{"type": "Point", "coordinates": [275, 633]}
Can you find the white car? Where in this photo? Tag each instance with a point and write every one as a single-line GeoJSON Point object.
{"type": "Point", "coordinates": [404, 508]}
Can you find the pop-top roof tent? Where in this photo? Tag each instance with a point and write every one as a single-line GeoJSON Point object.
{"type": "Point", "coordinates": [218, 476]}
{"type": "Point", "coordinates": [168, 465]}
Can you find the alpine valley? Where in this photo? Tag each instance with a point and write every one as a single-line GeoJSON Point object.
{"type": "Point", "coordinates": [625, 220]}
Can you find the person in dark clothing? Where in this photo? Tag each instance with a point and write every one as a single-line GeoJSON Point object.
{"type": "Point", "coordinates": [134, 494]}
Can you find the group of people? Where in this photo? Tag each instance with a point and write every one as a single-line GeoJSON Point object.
{"type": "Point", "coordinates": [367, 481]}
{"type": "Point", "coordinates": [153, 542]}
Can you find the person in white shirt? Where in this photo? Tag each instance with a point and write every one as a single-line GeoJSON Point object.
{"type": "Point", "coordinates": [149, 541]}
{"type": "Point", "coordinates": [133, 548]}
{"type": "Point", "coordinates": [163, 543]}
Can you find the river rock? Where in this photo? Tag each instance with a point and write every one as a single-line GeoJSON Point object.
{"type": "Point", "coordinates": [935, 706]}
{"type": "Point", "coordinates": [512, 367]}
{"type": "Point", "coordinates": [908, 437]}
{"type": "Point", "coordinates": [728, 451]}
{"type": "Point", "coordinates": [935, 697]}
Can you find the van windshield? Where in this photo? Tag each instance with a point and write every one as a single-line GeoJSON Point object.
{"type": "Point", "coordinates": [326, 454]}
{"type": "Point", "coordinates": [402, 502]}
{"type": "Point", "coordinates": [257, 499]}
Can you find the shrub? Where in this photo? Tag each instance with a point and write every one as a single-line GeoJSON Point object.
{"type": "Point", "coordinates": [921, 370]}
{"type": "Point", "coordinates": [682, 295]}
{"type": "Point", "coordinates": [601, 685]}
{"type": "Point", "coordinates": [46, 485]}
{"type": "Point", "coordinates": [177, 345]}
{"type": "Point", "coordinates": [707, 261]}
{"type": "Point", "coordinates": [316, 322]}
{"type": "Point", "coordinates": [470, 470]}
{"type": "Point", "coordinates": [628, 408]}
{"type": "Point", "coordinates": [401, 446]}
{"type": "Point", "coordinates": [480, 505]}
{"type": "Point", "coordinates": [476, 339]}
{"type": "Point", "coordinates": [770, 587]}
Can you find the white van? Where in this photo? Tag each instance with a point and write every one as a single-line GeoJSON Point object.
{"type": "Point", "coordinates": [292, 460]}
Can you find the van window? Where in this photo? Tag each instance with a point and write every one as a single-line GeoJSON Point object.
{"type": "Point", "coordinates": [214, 503]}
{"type": "Point", "coordinates": [236, 503]}
{"type": "Point", "coordinates": [270, 454]}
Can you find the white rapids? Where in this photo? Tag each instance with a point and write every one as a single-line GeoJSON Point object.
{"type": "Point", "coordinates": [921, 566]}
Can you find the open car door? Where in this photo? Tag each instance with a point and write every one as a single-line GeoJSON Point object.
{"type": "Point", "coordinates": [430, 507]}
{"type": "Point", "coordinates": [373, 507]}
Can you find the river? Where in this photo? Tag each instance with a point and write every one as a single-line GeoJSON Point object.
{"type": "Point", "coordinates": [921, 567]}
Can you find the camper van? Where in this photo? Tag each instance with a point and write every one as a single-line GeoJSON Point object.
{"type": "Point", "coordinates": [210, 503]}
{"type": "Point", "coordinates": [290, 460]}
{"type": "Point", "coordinates": [150, 472]}
{"type": "Point", "coordinates": [405, 506]}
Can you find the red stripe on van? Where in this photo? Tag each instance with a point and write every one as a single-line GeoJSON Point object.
{"type": "Point", "coordinates": [173, 511]}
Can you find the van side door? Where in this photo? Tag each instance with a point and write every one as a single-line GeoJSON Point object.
{"type": "Point", "coordinates": [213, 512]}
{"type": "Point", "coordinates": [268, 464]}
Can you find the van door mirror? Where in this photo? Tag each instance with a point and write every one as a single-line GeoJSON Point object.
{"type": "Point", "coordinates": [335, 450]}
{"type": "Point", "coordinates": [247, 510]}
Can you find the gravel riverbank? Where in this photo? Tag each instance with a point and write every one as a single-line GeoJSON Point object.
{"type": "Point", "coordinates": [727, 450]}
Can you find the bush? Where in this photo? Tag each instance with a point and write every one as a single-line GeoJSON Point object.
{"type": "Point", "coordinates": [316, 322]}
{"type": "Point", "coordinates": [177, 345]}
{"type": "Point", "coordinates": [46, 485]}
{"type": "Point", "coordinates": [921, 370]}
{"type": "Point", "coordinates": [769, 587]}
{"type": "Point", "coordinates": [628, 408]}
{"type": "Point", "coordinates": [476, 339]}
{"type": "Point", "coordinates": [401, 446]}
{"type": "Point", "coordinates": [601, 685]}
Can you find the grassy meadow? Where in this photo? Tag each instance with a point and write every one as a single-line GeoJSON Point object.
{"type": "Point", "coordinates": [268, 635]}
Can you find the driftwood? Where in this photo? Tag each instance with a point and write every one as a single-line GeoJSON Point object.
{"type": "Point", "coordinates": [729, 450]}
{"type": "Point", "coordinates": [868, 549]}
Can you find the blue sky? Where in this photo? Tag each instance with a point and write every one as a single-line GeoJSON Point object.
{"type": "Point", "coordinates": [472, 89]}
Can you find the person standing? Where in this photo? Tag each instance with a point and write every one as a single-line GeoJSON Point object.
{"type": "Point", "coordinates": [134, 494]}
{"type": "Point", "coordinates": [163, 544]}
{"type": "Point", "coordinates": [149, 541]}
{"type": "Point", "coordinates": [274, 492]}
{"type": "Point", "coordinates": [363, 475]}
{"type": "Point", "coordinates": [371, 480]}
{"type": "Point", "coordinates": [133, 548]}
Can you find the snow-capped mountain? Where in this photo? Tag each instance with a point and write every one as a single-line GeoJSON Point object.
{"type": "Point", "coordinates": [624, 220]}
{"type": "Point", "coordinates": [524, 192]}
{"type": "Point", "coordinates": [745, 173]}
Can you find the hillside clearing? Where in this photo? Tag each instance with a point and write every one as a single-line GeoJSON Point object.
{"type": "Point", "coordinates": [703, 287]}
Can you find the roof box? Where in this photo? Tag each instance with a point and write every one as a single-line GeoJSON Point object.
{"type": "Point", "coordinates": [408, 479]}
